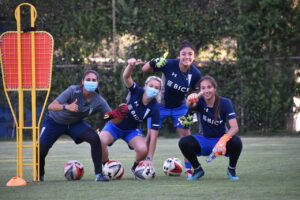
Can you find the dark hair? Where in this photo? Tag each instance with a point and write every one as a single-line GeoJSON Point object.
{"type": "Point", "coordinates": [186, 43]}
{"type": "Point", "coordinates": [217, 98]}
{"type": "Point", "coordinates": [93, 72]}
{"type": "Point", "coordinates": [90, 71]}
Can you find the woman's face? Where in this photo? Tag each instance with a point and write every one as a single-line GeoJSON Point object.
{"type": "Point", "coordinates": [186, 56]}
{"type": "Point", "coordinates": [154, 84]}
{"type": "Point", "coordinates": [208, 90]}
{"type": "Point", "coordinates": [90, 77]}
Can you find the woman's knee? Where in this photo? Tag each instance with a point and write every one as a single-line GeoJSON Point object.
{"type": "Point", "coordinates": [235, 144]}
{"type": "Point", "coordinates": [236, 140]}
{"type": "Point", "coordinates": [185, 142]}
{"type": "Point", "coordinates": [141, 149]}
{"type": "Point", "coordinates": [106, 139]}
{"type": "Point", "coordinates": [91, 137]}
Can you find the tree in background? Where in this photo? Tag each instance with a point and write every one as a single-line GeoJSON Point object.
{"type": "Point", "coordinates": [259, 78]}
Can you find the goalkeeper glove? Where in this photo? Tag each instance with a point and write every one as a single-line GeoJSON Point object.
{"type": "Point", "coordinates": [118, 113]}
{"type": "Point", "coordinates": [159, 62]}
{"type": "Point", "coordinates": [220, 147]}
{"type": "Point", "coordinates": [186, 121]}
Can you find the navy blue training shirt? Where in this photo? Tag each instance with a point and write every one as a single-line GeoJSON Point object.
{"type": "Point", "coordinates": [177, 84]}
{"type": "Point", "coordinates": [138, 112]}
{"type": "Point", "coordinates": [215, 128]}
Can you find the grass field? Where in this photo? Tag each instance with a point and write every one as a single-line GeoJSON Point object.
{"type": "Point", "coordinates": [269, 168]}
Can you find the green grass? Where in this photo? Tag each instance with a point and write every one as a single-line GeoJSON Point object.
{"type": "Point", "coordinates": [269, 168]}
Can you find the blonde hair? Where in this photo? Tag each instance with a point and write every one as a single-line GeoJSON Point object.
{"type": "Point", "coordinates": [156, 78]}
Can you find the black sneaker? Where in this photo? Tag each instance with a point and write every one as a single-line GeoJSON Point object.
{"type": "Point", "coordinates": [101, 177]}
{"type": "Point", "coordinates": [42, 178]}
{"type": "Point", "coordinates": [135, 164]}
{"type": "Point", "coordinates": [198, 173]}
{"type": "Point", "coordinates": [232, 175]}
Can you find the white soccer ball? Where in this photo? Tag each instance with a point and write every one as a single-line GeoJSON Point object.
{"type": "Point", "coordinates": [144, 171]}
{"type": "Point", "coordinates": [172, 167]}
{"type": "Point", "coordinates": [113, 169]}
{"type": "Point", "coordinates": [73, 170]}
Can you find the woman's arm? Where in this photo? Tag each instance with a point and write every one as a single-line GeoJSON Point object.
{"type": "Point", "coordinates": [56, 106]}
{"type": "Point", "coordinates": [151, 143]}
{"type": "Point", "coordinates": [132, 62]}
{"type": "Point", "coordinates": [234, 128]}
{"type": "Point", "coordinates": [147, 68]}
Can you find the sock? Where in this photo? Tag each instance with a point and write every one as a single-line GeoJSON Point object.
{"type": "Point", "coordinates": [187, 166]}
{"type": "Point", "coordinates": [134, 165]}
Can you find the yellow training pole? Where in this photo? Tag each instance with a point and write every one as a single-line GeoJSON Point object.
{"type": "Point", "coordinates": [33, 15]}
{"type": "Point", "coordinates": [21, 99]}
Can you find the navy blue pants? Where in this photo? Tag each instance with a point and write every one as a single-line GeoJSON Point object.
{"type": "Point", "coordinates": [79, 132]}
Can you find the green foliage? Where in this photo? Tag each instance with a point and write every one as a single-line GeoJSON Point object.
{"type": "Point", "coordinates": [267, 33]}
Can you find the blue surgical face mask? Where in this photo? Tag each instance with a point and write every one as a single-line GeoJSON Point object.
{"type": "Point", "coordinates": [90, 86]}
{"type": "Point", "coordinates": [151, 92]}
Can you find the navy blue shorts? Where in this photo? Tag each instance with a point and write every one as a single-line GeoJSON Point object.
{"type": "Point", "coordinates": [51, 131]}
{"type": "Point", "coordinates": [173, 113]}
{"type": "Point", "coordinates": [118, 133]}
{"type": "Point", "coordinates": [206, 144]}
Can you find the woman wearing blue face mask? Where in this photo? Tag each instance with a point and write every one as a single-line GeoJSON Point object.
{"type": "Point", "coordinates": [142, 104]}
{"type": "Point", "coordinates": [65, 116]}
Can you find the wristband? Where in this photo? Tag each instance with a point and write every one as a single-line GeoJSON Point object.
{"type": "Point", "coordinates": [64, 107]}
{"type": "Point", "coordinates": [152, 63]}
{"type": "Point", "coordinates": [148, 158]}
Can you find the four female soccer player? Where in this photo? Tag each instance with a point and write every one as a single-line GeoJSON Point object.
{"type": "Point", "coordinates": [153, 102]}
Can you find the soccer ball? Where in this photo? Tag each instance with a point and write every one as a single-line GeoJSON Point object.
{"type": "Point", "coordinates": [73, 170]}
{"type": "Point", "coordinates": [113, 169]}
{"type": "Point", "coordinates": [172, 167]}
{"type": "Point", "coordinates": [144, 171]}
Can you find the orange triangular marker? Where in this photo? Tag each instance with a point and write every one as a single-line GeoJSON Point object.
{"type": "Point", "coordinates": [15, 182]}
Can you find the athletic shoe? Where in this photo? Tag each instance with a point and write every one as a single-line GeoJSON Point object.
{"type": "Point", "coordinates": [188, 173]}
{"type": "Point", "coordinates": [41, 178]}
{"type": "Point", "coordinates": [198, 173]}
{"type": "Point", "coordinates": [231, 175]}
{"type": "Point", "coordinates": [132, 170]}
{"type": "Point", "coordinates": [135, 164]}
{"type": "Point", "coordinates": [101, 177]}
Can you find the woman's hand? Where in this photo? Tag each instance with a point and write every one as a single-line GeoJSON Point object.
{"type": "Point", "coordinates": [73, 107]}
{"type": "Point", "coordinates": [193, 99]}
{"type": "Point", "coordinates": [132, 62]}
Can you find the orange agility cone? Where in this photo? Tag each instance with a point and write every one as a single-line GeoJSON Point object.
{"type": "Point", "coordinates": [15, 182]}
